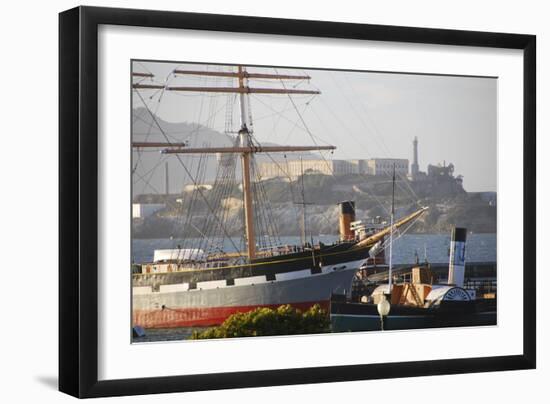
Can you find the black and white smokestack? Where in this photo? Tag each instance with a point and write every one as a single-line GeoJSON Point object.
{"type": "Point", "coordinates": [457, 257]}
{"type": "Point", "coordinates": [347, 215]}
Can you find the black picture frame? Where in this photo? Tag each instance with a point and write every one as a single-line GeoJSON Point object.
{"type": "Point", "coordinates": [78, 196]}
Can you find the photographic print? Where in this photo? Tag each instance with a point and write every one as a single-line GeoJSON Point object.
{"type": "Point", "coordinates": [284, 201]}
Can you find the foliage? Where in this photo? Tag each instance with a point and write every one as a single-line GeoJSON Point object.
{"type": "Point", "coordinates": [285, 320]}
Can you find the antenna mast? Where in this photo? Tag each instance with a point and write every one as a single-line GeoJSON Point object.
{"type": "Point", "coordinates": [391, 230]}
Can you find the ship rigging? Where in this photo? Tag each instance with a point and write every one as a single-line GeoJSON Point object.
{"type": "Point", "coordinates": [204, 284]}
{"type": "Point", "coordinates": [244, 143]}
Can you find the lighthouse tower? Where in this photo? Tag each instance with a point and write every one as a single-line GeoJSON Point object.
{"type": "Point", "coordinates": [414, 165]}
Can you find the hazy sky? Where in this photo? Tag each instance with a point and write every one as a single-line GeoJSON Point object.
{"type": "Point", "coordinates": [363, 114]}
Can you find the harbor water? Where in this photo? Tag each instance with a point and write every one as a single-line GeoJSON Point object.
{"type": "Point", "coordinates": [479, 247]}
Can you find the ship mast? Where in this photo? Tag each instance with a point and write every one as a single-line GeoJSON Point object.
{"type": "Point", "coordinates": [246, 148]}
{"type": "Point", "coordinates": [244, 136]}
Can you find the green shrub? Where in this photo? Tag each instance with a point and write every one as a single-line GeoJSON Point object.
{"type": "Point", "coordinates": [285, 320]}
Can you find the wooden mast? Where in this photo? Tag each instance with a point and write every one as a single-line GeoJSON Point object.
{"type": "Point", "coordinates": [246, 148]}
{"type": "Point", "coordinates": [245, 159]}
{"type": "Point", "coordinates": [243, 90]}
{"type": "Point", "coordinates": [144, 145]}
{"type": "Point", "coordinates": [173, 148]}
{"type": "Point", "coordinates": [139, 74]}
{"type": "Point", "coordinates": [371, 240]}
{"type": "Point", "coordinates": [182, 148]}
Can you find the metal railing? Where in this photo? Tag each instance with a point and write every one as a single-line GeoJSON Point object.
{"type": "Point", "coordinates": [481, 286]}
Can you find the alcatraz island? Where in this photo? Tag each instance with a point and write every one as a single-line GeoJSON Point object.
{"type": "Point", "coordinates": [368, 182]}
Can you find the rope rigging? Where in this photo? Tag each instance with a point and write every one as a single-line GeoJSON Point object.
{"type": "Point", "coordinates": [189, 174]}
{"type": "Point", "coordinates": [216, 227]}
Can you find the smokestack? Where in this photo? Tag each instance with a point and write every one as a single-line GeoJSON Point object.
{"type": "Point", "coordinates": [457, 257]}
{"type": "Point", "coordinates": [414, 166]}
{"type": "Point", "coordinates": [347, 215]}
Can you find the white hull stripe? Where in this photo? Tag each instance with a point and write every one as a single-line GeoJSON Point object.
{"type": "Point", "coordinates": [287, 276]}
{"type": "Point", "coordinates": [142, 290]}
{"type": "Point", "coordinates": [344, 265]}
{"type": "Point", "coordinates": [250, 280]}
{"type": "Point", "coordinates": [253, 280]}
{"type": "Point", "coordinates": [177, 287]}
{"type": "Point", "coordinates": [211, 284]}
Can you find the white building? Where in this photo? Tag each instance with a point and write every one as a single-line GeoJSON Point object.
{"type": "Point", "coordinates": [143, 210]}
{"type": "Point", "coordinates": [293, 168]}
{"type": "Point", "coordinates": [384, 167]}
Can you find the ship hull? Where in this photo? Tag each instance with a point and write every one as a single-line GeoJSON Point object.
{"type": "Point", "coordinates": [211, 306]}
{"type": "Point", "coordinates": [364, 317]}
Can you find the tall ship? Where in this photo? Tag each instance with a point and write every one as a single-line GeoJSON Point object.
{"type": "Point", "coordinates": [202, 284]}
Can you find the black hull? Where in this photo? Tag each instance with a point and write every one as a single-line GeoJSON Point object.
{"type": "Point", "coordinates": [347, 316]}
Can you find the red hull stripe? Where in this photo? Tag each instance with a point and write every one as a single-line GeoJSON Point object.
{"type": "Point", "coordinates": [202, 316]}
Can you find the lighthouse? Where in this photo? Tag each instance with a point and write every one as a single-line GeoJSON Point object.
{"type": "Point", "coordinates": [414, 165]}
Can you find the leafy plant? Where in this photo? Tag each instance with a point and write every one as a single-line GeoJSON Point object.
{"type": "Point", "coordinates": [284, 320]}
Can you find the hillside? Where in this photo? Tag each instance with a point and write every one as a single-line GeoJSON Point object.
{"type": "Point", "coordinates": [372, 197]}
